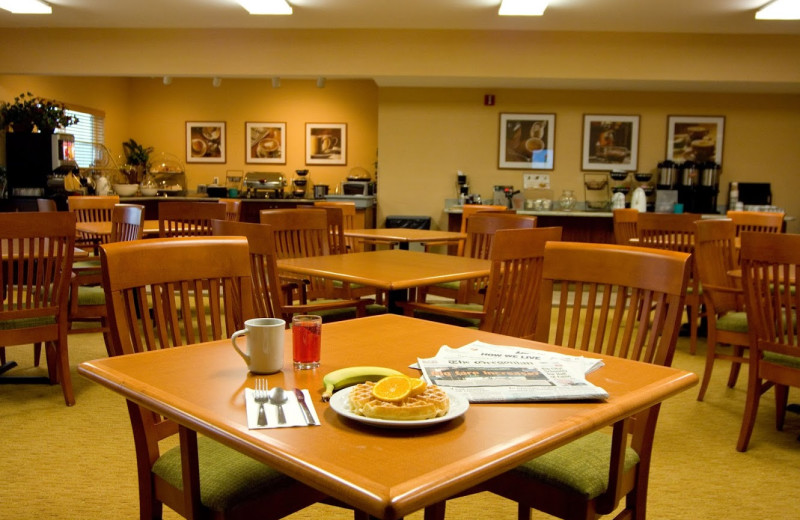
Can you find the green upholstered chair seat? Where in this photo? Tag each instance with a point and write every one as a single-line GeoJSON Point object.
{"type": "Point", "coordinates": [782, 359]}
{"type": "Point", "coordinates": [581, 466]}
{"type": "Point", "coordinates": [338, 284]}
{"type": "Point", "coordinates": [453, 286]}
{"type": "Point", "coordinates": [91, 295]}
{"type": "Point", "coordinates": [733, 322]}
{"type": "Point", "coordinates": [227, 477]}
{"type": "Point", "coordinates": [92, 263]}
{"type": "Point", "coordinates": [25, 323]}
{"type": "Point", "coordinates": [690, 290]}
{"type": "Point", "coordinates": [451, 320]}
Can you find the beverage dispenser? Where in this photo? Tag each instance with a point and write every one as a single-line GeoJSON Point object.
{"type": "Point", "coordinates": [699, 186]}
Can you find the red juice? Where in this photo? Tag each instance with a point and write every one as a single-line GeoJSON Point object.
{"type": "Point", "coordinates": [306, 341]}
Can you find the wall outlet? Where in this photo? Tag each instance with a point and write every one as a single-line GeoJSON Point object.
{"type": "Point", "coordinates": [536, 181]}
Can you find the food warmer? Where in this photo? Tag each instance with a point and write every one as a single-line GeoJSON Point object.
{"type": "Point", "coordinates": [264, 185]}
{"type": "Point", "coordinates": [168, 174]}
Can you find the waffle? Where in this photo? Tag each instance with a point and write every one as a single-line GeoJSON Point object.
{"type": "Point", "coordinates": [433, 402]}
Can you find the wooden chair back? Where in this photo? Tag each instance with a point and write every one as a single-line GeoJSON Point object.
{"type": "Point", "coordinates": [92, 208]}
{"type": "Point", "coordinates": [272, 298]}
{"type": "Point", "coordinates": [46, 205]}
{"type": "Point", "coordinates": [715, 255]}
{"type": "Point", "coordinates": [770, 264]}
{"type": "Point", "coordinates": [301, 233]}
{"type": "Point", "coordinates": [337, 243]}
{"type": "Point", "coordinates": [127, 222]}
{"type": "Point", "coordinates": [233, 208]}
{"type": "Point", "coordinates": [37, 251]}
{"type": "Point", "coordinates": [512, 293]}
{"type": "Point", "coordinates": [199, 289]}
{"type": "Point", "coordinates": [298, 232]}
{"type": "Point", "coordinates": [620, 301]}
{"type": "Point", "coordinates": [760, 221]}
{"type": "Point", "coordinates": [676, 232]}
{"type": "Point", "coordinates": [348, 216]}
{"type": "Point", "coordinates": [187, 219]}
{"type": "Point", "coordinates": [467, 210]}
{"type": "Point", "coordinates": [482, 227]}
{"type": "Point", "coordinates": [625, 227]}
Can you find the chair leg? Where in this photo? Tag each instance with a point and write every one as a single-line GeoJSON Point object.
{"type": "Point", "coordinates": [63, 371]}
{"type": "Point", "coordinates": [710, 357]}
{"type": "Point", "coordinates": [2, 355]}
{"type": "Point", "coordinates": [37, 353]}
{"type": "Point", "coordinates": [523, 512]}
{"type": "Point", "coordinates": [736, 366]}
{"type": "Point", "coordinates": [750, 408]}
{"type": "Point", "coordinates": [694, 316]}
{"type": "Point", "coordinates": [781, 399]}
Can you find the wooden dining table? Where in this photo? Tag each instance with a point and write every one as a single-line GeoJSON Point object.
{"type": "Point", "coordinates": [386, 472]}
{"type": "Point", "coordinates": [103, 227]}
{"type": "Point", "coordinates": [392, 270]}
{"type": "Point", "coordinates": [405, 236]}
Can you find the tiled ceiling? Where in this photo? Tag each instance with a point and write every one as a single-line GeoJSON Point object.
{"type": "Point", "coordinates": [674, 16]}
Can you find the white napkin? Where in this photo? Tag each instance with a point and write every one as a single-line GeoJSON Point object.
{"type": "Point", "coordinates": [291, 409]}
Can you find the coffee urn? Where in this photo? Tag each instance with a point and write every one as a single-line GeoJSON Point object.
{"type": "Point", "coordinates": [699, 186]}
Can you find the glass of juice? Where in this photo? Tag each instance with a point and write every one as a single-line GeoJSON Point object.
{"type": "Point", "coordinates": [306, 341]}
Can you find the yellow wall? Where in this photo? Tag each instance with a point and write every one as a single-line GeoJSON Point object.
{"type": "Point", "coordinates": [155, 115]}
{"type": "Point", "coordinates": [428, 134]}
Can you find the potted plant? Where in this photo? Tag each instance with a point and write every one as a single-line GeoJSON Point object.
{"type": "Point", "coordinates": [137, 158]}
{"type": "Point", "coordinates": [28, 112]}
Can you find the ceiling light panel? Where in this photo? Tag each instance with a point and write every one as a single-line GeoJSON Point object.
{"type": "Point", "coordinates": [522, 7]}
{"type": "Point", "coordinates": [26, 6]}
{"type": "Point", "coordinates": [780, 10]}
{"type": "Point", "coordinates": [266, 6]}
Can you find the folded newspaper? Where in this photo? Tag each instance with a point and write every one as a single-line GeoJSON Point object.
{"type": "Point", "coordinates": [486, 373]}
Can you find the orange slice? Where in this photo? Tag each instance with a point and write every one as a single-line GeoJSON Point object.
{"type": "Point", "coordinates": [417, 386]}
{"type": "Point", "coordinates": [392, 388]}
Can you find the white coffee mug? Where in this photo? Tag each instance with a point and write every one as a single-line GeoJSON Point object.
{"type": "Point", "coordinates": [264, 344]}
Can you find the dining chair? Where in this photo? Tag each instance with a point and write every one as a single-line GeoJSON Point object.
{"type": "Point", "coordinates": [715, 254]}
{"type": "Point", "coordinates": [625, 225]}
{"type": "Point", "coordinates": [761, 221]}
{"type": "Point", "coordinates": [87, 301]}
{"type": "Point", "coordinates": [769, 278]}
{"type": "Point", "coordinates": [46, 205]}
{"type": "Point", "coordinates": [184, 219]}
{"type": "Point", "coordinates": [300, 233]}
{"type": "Point", "coordinates": [92, 208]}
{"type": "Point", "coordinates": [600, 299]}
{"type": "Point", "coordinates": [233, 208]}
{"type": "Point", "coordinates": [172, 292]}
{"type": "Point", "coordinates": [348, 217]}
{"type": "Point", "coordinates": [38, 249]}
{"type": "Point", "coordinates": [337, 243]}
{"type": "Point", "coordinates": [512, 291]}
{"type": "Point", "coordinates": [676, 232]}
{"type": "Point", "coordinates": [274, 299]}
{"type": "Point", "coordinates": [480, 230]}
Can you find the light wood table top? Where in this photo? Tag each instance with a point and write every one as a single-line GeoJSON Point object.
{"type": "Point", "coordinates": [386, 473]}
{"type": "Point", "coordinates": [390, 269]}
{"type": "Point", "coordinates": [404, 236]}
{"type": "Point", "coordinates": [103, 227]}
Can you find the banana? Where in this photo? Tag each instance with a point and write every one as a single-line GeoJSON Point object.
{"type": "Point", "coordinates": [343, 377]}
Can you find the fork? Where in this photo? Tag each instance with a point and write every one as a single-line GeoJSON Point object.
{"type": "Point", "coordinates": [261, 396]}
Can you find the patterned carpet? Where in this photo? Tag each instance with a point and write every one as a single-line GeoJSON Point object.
{"type": "Point", "coordinates": [78, 463]}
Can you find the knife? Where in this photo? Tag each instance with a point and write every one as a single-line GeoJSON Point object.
{"type": "Point", "coordinates": [301, 400]}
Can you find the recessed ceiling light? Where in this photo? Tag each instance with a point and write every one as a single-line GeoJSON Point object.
{"type": "Point", "coordinates": [780, 10]}
{"type": "Point", "coordinates": [266, 6]}
{"type": "Point", "coordinates": [26, 6]}
{"type": "Point", "coordinates": [522, 7]}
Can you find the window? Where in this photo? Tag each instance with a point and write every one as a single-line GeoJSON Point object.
{"type": "Point", "coordinates": [88, 131]}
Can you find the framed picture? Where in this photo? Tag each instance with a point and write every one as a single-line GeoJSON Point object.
{"type": "Point", "coordinates": [695, 138]}
{"type": "Point", "coordinates": [527, 141]}
{"type": "Point", "coordinates": [610, 142]}
{"type": "Point", "coordinates": [326, 143]}
{"type": "Point", "coordinates": [265, 143]}
{"type": "Point", "coordinates": [205, 142]}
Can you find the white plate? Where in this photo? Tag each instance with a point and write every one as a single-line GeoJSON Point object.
{"type": "Point", "coordinates": [340, 403]}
